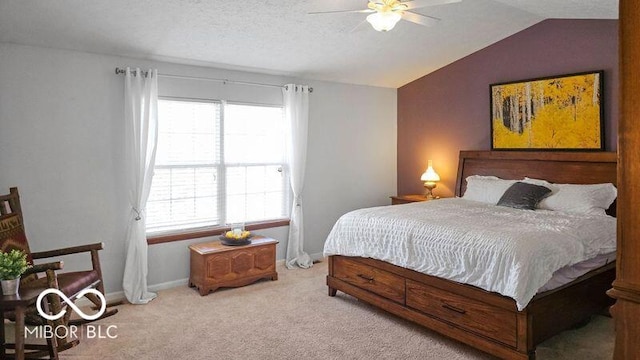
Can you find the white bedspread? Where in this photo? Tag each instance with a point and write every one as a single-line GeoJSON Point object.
{"type": "Point", "coordinates": [509, 251]}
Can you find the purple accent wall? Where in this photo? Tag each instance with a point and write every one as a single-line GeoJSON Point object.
{"type": "Point", "coordinates": [448, 110]}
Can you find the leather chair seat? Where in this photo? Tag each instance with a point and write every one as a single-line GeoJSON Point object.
{"type": "Point", "coordinates": [70, 283]}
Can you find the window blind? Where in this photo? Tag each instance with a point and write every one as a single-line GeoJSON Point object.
{"type": "Point", "coordinates": [217, 163]}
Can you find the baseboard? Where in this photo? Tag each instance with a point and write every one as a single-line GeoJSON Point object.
{"type": "Point", "coordinates": [169, 284]}
{"type": "Point", "coordinates": [111, 298]}
{"type": "Point", "coordinates": [119, 295]}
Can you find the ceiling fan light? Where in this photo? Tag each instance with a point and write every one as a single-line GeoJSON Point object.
{"type": "Point", "coordinates": [383, 21]}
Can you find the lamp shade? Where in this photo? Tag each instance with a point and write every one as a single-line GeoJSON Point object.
{"type": "Point", "coordinates": [384, 20]}
{"type": "Point", "coordinates": [430, 175]}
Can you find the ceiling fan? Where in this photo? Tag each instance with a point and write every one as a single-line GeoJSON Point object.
{"type": "Point", "coordinates": [386, 13]}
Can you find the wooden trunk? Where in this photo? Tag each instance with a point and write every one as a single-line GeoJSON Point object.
{"type": "Point", "coordinates": [214, 265]}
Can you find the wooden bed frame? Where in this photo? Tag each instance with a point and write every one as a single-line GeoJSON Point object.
{"type": "Point", "coordinates": [485, 320]}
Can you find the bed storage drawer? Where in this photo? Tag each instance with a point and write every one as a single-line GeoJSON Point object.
{"type": "Point", "coordinates": [378, 281]}
{"type": "Point", "coordinates": [479, 317]}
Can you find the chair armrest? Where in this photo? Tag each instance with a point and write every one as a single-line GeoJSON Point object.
{"type": "Point", "coordinates": [67, 251]}
{"type": "Point", "coordinates": [38, 268]}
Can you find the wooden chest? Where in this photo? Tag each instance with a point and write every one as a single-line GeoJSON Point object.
{"type": "Point", "coordinates": [214, 265]}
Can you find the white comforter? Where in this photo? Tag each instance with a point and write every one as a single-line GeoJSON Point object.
{"type": "Point", "coordinates": [509, 251]}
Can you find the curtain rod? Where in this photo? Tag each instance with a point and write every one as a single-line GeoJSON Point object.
{"type": "Point", "coordinates": [224, 81]}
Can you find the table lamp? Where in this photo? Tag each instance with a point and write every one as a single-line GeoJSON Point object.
{"type": "Point", "coordinates": [430, 177]}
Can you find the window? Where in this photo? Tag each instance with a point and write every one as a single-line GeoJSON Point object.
{"type": "Point", "coordinates": [217, 163]}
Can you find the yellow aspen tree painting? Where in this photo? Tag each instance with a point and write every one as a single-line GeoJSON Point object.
{"type": "Point", "coordinates": [552, 113]}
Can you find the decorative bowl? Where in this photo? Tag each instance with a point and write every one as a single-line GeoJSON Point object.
{"type": "Point", "coordinates": [236, 241]}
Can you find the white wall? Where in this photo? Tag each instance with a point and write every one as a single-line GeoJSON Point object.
{"type": "Point", "coordinates": [61, 143]}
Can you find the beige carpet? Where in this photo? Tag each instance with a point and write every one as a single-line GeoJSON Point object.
{"type": "Point", "coordinates": [294, 318]}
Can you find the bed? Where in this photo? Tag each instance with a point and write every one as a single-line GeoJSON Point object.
{"type": "Point", "coordinates": [485, 319]}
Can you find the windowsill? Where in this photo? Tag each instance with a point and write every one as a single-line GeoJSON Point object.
{"type": "Point", "coordinates": [212, 231]}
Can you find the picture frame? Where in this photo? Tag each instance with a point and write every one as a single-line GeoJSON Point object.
{"type": "Point", "coordinates": [563, 112]}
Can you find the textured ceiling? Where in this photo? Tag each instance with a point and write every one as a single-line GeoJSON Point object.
{"type": "Point", "coordinates": [279, 37]}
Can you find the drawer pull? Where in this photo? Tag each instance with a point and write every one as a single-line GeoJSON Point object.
{"type": "Point", "coordinates": [453, 308]}
{"type": "Point", "coordinates": [368, 278]}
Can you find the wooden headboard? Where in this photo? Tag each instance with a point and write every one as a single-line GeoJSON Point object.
{"type": "Point", "coordinates": [553, 166]}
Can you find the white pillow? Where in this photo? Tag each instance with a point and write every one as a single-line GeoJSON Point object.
{"type": "Point", "coordinates": [486, 189]}
{"type": "Point", "coordinates": [593, 199]}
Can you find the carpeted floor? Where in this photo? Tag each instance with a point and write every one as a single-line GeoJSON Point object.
{"type": "Point", "coordinates": [294, 318]}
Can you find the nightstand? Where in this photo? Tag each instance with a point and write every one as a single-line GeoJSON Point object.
{"type": "Point", "coordinates": [405, 199]}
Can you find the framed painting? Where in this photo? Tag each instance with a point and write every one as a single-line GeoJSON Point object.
{"type": "Point", "coordinates": [553, 113]}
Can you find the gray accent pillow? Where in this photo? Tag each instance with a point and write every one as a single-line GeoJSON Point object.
{"type": "Point", "coordinates": [523, 196]}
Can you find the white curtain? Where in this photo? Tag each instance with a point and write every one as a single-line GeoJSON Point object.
{"type": "Point", "coordinates": [141, 135]}
{"type": "Point", "coordinates": [296, 109]}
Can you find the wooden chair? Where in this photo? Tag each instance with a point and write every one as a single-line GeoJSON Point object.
{"type": "Point", "coordinates": [12, 236]}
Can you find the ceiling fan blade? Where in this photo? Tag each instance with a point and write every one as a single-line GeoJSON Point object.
{"type": "Point", "coordinates": [420, 19]}
{"type": "Point", "coordinates": [340, 11]}
{"type": "Point", "coordinates": [414, 4]}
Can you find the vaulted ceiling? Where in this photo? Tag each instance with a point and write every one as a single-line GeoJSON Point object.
{"type": "Point", "coordinates": [280, 37]}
